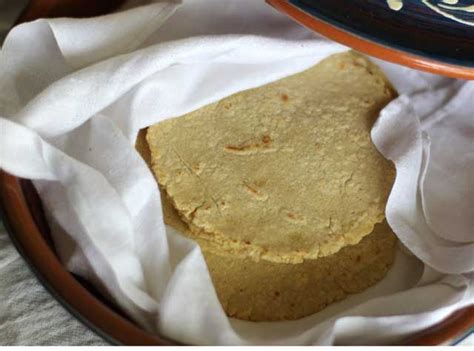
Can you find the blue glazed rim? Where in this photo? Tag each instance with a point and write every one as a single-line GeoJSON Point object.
{"type": "Point", "coordinates": [459, 340]}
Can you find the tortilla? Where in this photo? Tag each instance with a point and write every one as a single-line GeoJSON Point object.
{"type": "Point", "coordinates": [268, 291]}
{"type": "Point", "coordinates": [284, 172]}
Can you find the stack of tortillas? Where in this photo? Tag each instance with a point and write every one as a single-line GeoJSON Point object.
{"type": "Point", "coordinates": [282, 188]}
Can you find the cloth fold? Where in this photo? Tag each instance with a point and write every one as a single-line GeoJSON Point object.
{"type": "Point", "coordinates": [75, 92]}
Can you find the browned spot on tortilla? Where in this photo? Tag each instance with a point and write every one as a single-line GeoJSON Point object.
{"type": "Point", "coordinates": [251, 189]}
{"type": "Point", "coordinates": [197, 168]}
{"type": "Point", "coordinates": [266, 139]}
{"type": "Point", "coordinates": [284, 97]}
{"type": "Point", "coordinates": [251, 147]}
{"type": "Point", "coordinates": [257, 193]}
{"type": "Point", "coordinates": [293, 217]}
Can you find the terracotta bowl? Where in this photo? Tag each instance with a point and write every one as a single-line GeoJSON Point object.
{"type": "Point", "coordinates": [22, 214]}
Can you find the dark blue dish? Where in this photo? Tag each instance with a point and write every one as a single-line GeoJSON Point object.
{"type": "Point", "coordinates": [435, 31]}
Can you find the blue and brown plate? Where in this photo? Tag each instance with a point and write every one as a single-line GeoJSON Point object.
{"type": "Point", "coordinates": [432, 35]}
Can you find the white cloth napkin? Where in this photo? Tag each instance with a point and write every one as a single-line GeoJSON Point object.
{"type": "Point", "coordinates": [75, 92]}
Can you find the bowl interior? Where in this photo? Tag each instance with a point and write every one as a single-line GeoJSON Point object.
{"type": "Point", "coordinates": [23, 215]}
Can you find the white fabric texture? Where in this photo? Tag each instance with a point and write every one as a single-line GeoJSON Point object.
{"type": "Point", "coordinates": [28, 314]}
{"type": "Point", "coordinates": [75, 92]}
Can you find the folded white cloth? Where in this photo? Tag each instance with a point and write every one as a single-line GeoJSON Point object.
{"type": "Point", "coordinates": [75, 92]}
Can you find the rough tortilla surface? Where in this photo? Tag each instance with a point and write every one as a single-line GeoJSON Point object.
{"type": "Point", "coordinates": [285, 172]}
{"type": "Point", "coordinates": [269, 291]}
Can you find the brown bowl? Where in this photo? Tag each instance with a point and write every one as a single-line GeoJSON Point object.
{"type": "Point", "coordinates": [22, 214]}
{"type": "Point", "coordinates": [23, 217]}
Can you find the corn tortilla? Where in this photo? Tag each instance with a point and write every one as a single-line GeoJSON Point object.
{"type": "Point", "coordinates": [269, 291]}
{"type": "Point", "coordinates": [284, 172]}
